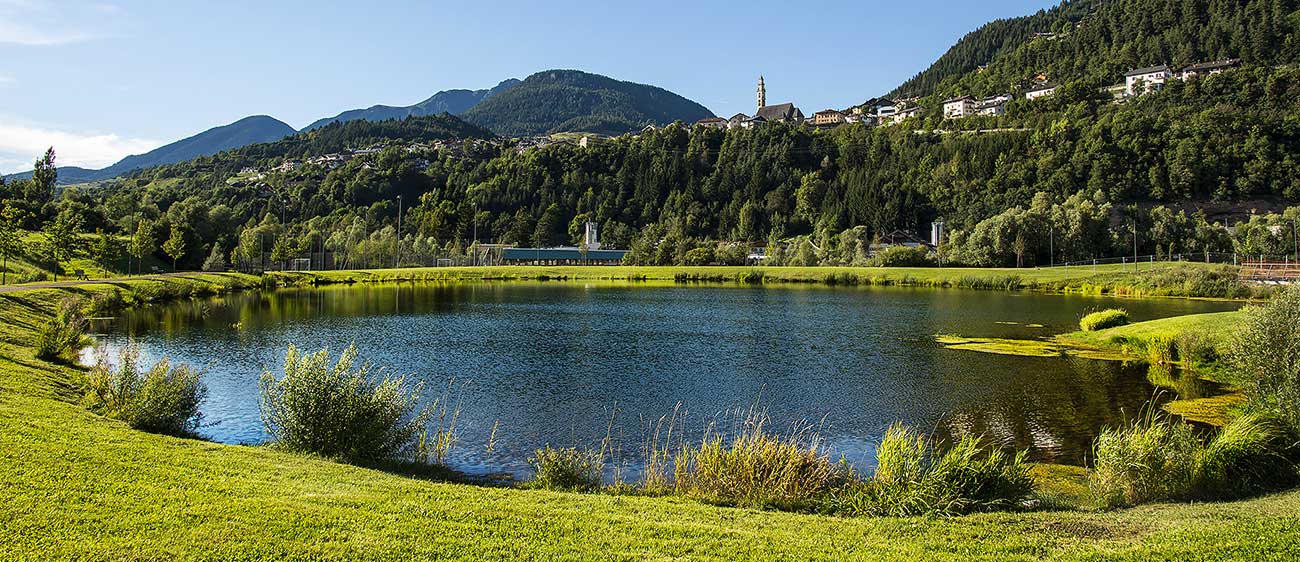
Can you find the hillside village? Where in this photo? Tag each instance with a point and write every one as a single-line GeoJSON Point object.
{"type": "Point", "coordinates": [884, 112]}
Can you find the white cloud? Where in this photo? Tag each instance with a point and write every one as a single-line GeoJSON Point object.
{"type": "Point", "coordinates": [41, 25]}
{"type": "Point", "coordinates": [20, 145]}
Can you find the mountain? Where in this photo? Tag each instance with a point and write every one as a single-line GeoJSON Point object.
{"type": "Point", "coordinates": [570, 100]}
{"type": "Point", "coordinates": [246, 131]}
{"type": "Point", "coordinates": [454, 102]}
{"type": "Point", "coordinates": [1098, 40]}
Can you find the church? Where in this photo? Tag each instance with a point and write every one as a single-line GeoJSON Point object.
{"type": "Point", "coordinates": [783, 113]}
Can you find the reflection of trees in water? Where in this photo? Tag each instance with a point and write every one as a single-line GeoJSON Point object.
{"type": "Point", "coordinates": [1058, 411]}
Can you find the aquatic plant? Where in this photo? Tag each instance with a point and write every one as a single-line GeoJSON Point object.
{"type": "Point", "coordinates": [1250, 455]}
{"type": "Point", "coordinates": [1149, 460]}
{"type": "Point", "coordinates": [913, 477]}
{"type": "Point", "coordinates": [341, 411]}
{"type": "Point", "coordinates": [62, 333]}
{"type": "Point", "coordinates": [567, 469]}
{"type": "Point", "coordinates": [757, 468]}
{"type": "Point", "coordinates": [162, 399]}
{"type": "Point", "coordinates": [1101, 320]}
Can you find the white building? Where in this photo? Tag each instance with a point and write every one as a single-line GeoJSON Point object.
{"type": "Point", "coordinates": [1040, 91]}
{"type": "Point", "coordinates": [903, 114]}
{"type": "Point", "coordinates": [1208, 68]}
{"type": "Point", "coordinates": [1144, 80]}
{"type": "Point", "coordinates": [957, 108]}
{"type": "Point", "coordinates": [993, 105]}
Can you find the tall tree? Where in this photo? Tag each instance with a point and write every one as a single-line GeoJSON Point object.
{"type": "Point", "coordinates": [142, 243]}
{"type": "Point", "coordinates": [11, 240]}
{"type": "Point", "coordinates": [64, 237]}
{"type": "Point", "coordinates": [105, 249]}
{"type": "Point", "coordinates": [174, 247]}
{"type": "Point", "coordinates": [44, 176]}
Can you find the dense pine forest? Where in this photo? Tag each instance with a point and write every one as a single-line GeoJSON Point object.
{"type": "Point", "coordinates": [1207, 165]}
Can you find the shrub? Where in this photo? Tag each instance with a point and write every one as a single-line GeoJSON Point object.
{"type": "Point", "coordinates": [901, 256]}
{"type": "Point", "coordinates": [63, 333]}
{"type": "Point", "coordinates": [339, 411]}
{"type": "Point", "coordinates": [568, 469]}
{"type": "Point", "coordinates": [164, 399]}
{"type": "Point", "coordinates": [912, 478]}
{"type": "Point", "coordinates": [757, 469]}
{"type": "Point", "coordinates": [1250, 455]}
{"type": "Point", "coordinates": [1104, 319]}
{"type": "Point", "coordinates": [698, 256]}
{"type": "Point", "coordinates": [1150, 460]}
{"type": "Point", "coordinates": [1265, 356]}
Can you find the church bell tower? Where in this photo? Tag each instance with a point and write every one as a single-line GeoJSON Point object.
{"type": "Point", "coordinates": [762, 93]}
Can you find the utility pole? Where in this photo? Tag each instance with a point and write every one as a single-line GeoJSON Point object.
{"type": "Point", "coordinates": [1295, 241]}
{"type": "Point", "coordinates": [397, 261]}
{"type": "Point", "coordinates": [1051, 245]}
{"type": "Point", "coordinates": [1135, 244]}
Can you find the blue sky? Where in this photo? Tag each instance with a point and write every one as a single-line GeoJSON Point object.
{"type": "Point", "coordinates": [103, 79]}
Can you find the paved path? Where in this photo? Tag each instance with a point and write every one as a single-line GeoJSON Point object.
{"type": "Point", "coordinates": [76, 282]}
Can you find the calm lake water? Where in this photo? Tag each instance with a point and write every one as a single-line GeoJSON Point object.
{"type": "Point", "coordinates": [558, 362]}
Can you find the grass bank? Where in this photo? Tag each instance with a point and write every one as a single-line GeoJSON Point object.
{"type": "Point", "coordinates": [74, 485]}
{"type": "Point", "coordinates": [1148, 280]}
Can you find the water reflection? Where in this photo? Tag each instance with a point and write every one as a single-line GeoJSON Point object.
{"type": "Point", "coordinates": [551, 363]}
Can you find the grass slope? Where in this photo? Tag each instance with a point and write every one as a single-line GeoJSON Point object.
{"type": "Point", "coordinates": [74, 485]}
{"type": "Point", "coordinates": [1161, 279]}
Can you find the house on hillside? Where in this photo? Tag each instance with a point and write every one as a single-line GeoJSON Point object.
{"type": "Point", "coordinates": [753, 122]}
{"type": "Point", "coordinates": [737, 121]}
{"type": "Point", "coordinates": [993, 105]}
{"type": "Point", "coordinates": [829, 118]}
{"type": "Point", "coordinates": [1040, 91]}
{"type": "Point", "coordinates": [1141, 81]}
{"type": "Point", "coordinates": [714, 122]}
{"type": "Point", "coordinates": [959, 107]}
{"type": "Point", "coordinates": [1207, 68]}
{"type": "Point", "coordinates": [903, 114]}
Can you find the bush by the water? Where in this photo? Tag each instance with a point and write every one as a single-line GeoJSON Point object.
{"type": "Point", "coordinates": [63, 333]}
{"type": "Point", "coordinates": [914, 477]}
{"type": "Point", "coordinates": [1157, 458]}
{"type": "Point", "coordinates": [1252, 454]}
{"type": "Point", "coordinates": [1152, 459]}
{"type": "Point", "coordinates": [162, 399]}
{"type": "Point", "coordinates": [902, 256]}
{"type": "Point", "coordinates": [568, 469]}
{"type": "Point", "coordinates": [1265, 356]}
{"type": "Point", "coordinates": [1104, 319]}
{"type": "Point", "coordinates": [340, 410]}
{"type": "Point", "coordinates": [756, 468]}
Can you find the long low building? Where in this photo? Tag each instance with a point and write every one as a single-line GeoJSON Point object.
{"type": "Point", "coordinates": [561, 256]}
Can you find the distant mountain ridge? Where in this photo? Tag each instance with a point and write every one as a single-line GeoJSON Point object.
{"type": "Point", "coordinates": [249, 130]}
{"type": "Point", "coordinates": [555, 101]}
{"type": "Point", "coordinates": [454, 102]}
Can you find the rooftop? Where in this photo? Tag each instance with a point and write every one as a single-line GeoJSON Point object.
{"type": "Point", "coordinates": [1147, 70]}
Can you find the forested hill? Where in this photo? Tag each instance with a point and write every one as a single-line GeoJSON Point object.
{"type": "Point", "coordinates": [1098, 40]}
{"type": "Point", "coordinates": [569, 100]}
{"type": "Point", "coordinates": [454, 102]}
{"type": "Point", "coordinates": [332, 138]}
{"type": "Point", "coordinates": [249, 130]}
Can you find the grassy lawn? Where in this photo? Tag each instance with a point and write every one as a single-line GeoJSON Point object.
{"type": "Point", "coordinates": [1160, 279]}
{"type": "Point", "coordinates": [1218, 326]}
{"type": "Point", "coordinates": [74, 485]}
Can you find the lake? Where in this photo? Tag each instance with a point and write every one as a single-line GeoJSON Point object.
{"type": "Point", "coordinates": [563, 363]}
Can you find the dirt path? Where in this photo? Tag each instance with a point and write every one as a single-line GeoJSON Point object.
{"type": "Point", "coordinates": [76, 282]}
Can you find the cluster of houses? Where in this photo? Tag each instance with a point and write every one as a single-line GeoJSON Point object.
{"type": "Point", "coordinates": [882, 111]}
